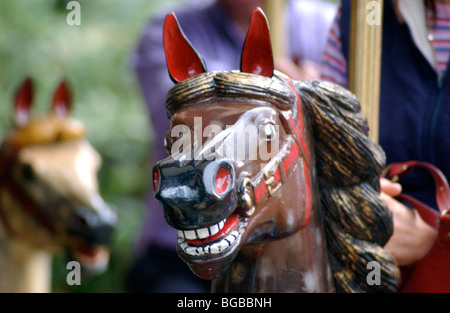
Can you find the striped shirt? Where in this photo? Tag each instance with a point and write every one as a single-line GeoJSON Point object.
{"type": "Point", "coordinates": [441, 35]}
{"type": "Point", "coordinates": [334, 64]}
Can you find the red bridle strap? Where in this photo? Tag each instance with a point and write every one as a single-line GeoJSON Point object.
{"type": "Point", "coordinates": [272, 174]}
{"type": "Point", "coordinates": [299, 127]}
{"type": "Point", "coordinates": [275, 171]}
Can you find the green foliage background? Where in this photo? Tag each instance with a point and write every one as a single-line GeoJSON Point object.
{"type": "Point", "coordinates": [36, 41]}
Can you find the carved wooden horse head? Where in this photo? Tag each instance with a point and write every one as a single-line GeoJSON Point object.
{"type": "Point", "coordinates": [271, 183]}
{"type": "Point", "coordinates": [48, 187]}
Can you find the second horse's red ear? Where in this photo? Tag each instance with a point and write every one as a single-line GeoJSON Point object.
{"type": "Point", "coordinates": [62, 100]}
{"type": "Point", "coordinates": [257, 55]}
{"type": "Point", "coordinates": [182, 59]}
{"type": "Point", "coordinates": [23, 102]}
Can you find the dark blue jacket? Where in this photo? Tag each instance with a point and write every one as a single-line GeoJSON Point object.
{"type": "Point", "coordinates": [414, 105]}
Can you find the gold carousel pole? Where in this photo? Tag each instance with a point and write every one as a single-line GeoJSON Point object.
{"type": "Point", "coordinates": [365, 59]}
{"type": "Point", "coordinates": [274, 10]}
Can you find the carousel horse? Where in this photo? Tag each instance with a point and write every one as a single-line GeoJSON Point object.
{"type": "Point", "coordinates": [49, 199]}
{"type": "Point", "coordinates": [272, 184]}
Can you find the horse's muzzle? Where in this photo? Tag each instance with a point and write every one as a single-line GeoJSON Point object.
{"type": "Point", "coordinates": [94, 226]}
{"type": "Point", "coordinates": [196, 193]}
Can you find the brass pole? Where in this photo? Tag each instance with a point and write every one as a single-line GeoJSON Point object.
{"type": "Point", "coordinates": [274, 10]}
{"type": "Point", "coordinates": [365, 59]}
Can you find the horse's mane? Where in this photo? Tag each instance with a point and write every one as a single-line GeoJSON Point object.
{"type": "Point", "coordinates": [230, 85]}
{"type": "Point", "coordinates": [357, 222]}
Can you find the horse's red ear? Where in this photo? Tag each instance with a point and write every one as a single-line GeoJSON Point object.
{"type": "Point", "coordinates": [256, 57]}
{"type": "Point", "coordinates": [23, 102]}
{"type": "Point", "coordinates": [62, 100]}
{"type": "Point", "coordinates": [182, 59]}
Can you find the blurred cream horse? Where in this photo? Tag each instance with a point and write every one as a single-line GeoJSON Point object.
{"type": "Point", "coordinates": [49, 199]}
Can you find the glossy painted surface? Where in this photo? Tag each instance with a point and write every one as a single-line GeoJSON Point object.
{"type": "Point", "coordinates": [215, 230]}
{"type": "Point", "coordinates": [185, 186]}
{"type": "Point", "coordinates": [266, 230]}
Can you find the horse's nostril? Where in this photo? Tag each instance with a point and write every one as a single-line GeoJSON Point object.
{"type": "Point", "coordinates": [223, 180]}
{"type": "Point", "coordinates": [155, 179]}
{"type": "Point", "coordinates": [79, 222]}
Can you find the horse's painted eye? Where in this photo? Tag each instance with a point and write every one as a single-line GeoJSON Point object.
{"type": "Point", "coordinates": [155, 179]}
{"type": "Point", "coordinates": [27, 172]}
{"type": "Point", "coordinates": [268, 131]}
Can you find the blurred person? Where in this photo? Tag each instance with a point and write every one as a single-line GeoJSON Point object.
{"type": "Point", "coordinates": [217, 29]}
{"type": "Point", "coordinates": [414, 106]}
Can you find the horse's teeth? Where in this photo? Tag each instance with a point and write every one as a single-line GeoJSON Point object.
{"type": "Point", "coordinates": [191, 250]}
{"type": "Point", "coordinates": [214, 229]}
{"type": "Point", "coordinates": [224, 244]}
{"type": "Point", "coordinates": [183, 245]}
{"type": "Point", "coordinates": [190, 234]}
{"type": "Point", "coordinates": [214, 248]}
{"type": "Point", "coordinates": [232, 237]}
{"type": "Point", "coordinates": [200, 251]}
{"type": "Point", "coordinates": [194, 250]}
{"type": "Point", "coordinates": [202, 233]}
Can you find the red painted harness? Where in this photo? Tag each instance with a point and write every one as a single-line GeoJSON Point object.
{"type": "Point", "coordinates": [270, 179]}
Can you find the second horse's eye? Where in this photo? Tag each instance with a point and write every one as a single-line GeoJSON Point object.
{"type": "Point", "coordinates": [27, 172]}
{"type": "Point", "coordinates": [268, 131]}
